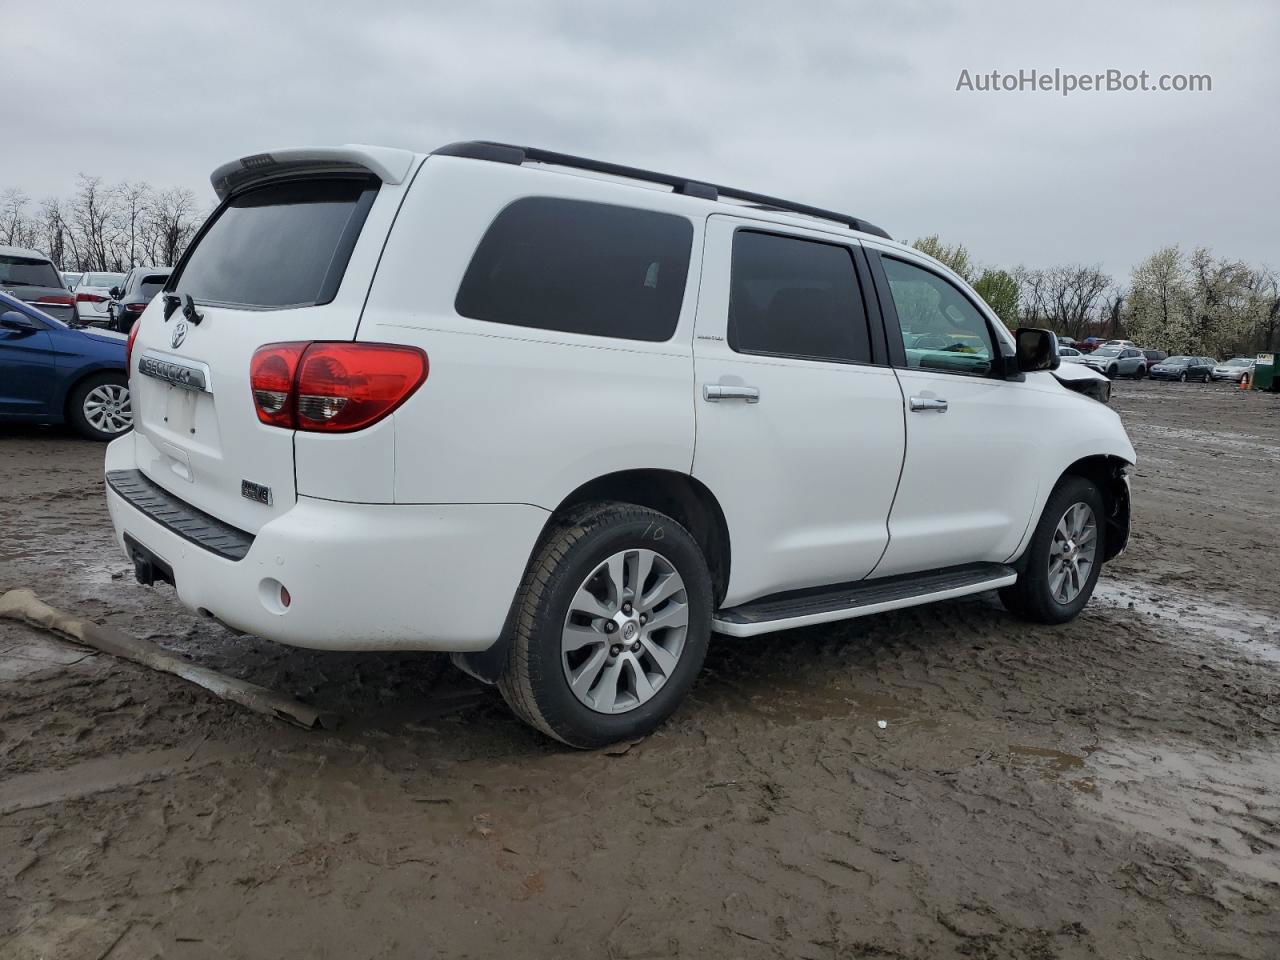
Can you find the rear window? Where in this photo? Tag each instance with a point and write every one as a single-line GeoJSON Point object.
{"type": "Point", "coordinates": [280, 245]}
{"type": "Point", "coordinates": [579, 267]}
{"type": "Point", "coordinates": [152, 284]}
{"type": "Point", "coordinates": [101, 279]}
{"type": "Point", "coordinates": [28, 272]}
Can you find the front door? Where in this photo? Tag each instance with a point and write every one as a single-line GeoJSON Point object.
{"type": "Point", "coordinates": [970, 478]}
{"type": "Point", "coordinates": [26, 370]}
{"type": "Point", "coordinates": [799, 426]}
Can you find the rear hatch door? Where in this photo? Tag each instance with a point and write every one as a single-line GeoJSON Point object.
{"type": "Point", "coordinates": [287, 256]}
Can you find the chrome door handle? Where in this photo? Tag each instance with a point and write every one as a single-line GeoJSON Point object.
{"type": "Point", "coordinates": [715, 392]}
{"type": "Point", "coordinates": [925, 404]}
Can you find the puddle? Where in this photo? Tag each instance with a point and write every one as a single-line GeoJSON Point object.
{"type": "Point", "coordinates": [1216, 809]}
{"type": "Point", "coordinates": [1256, 632]}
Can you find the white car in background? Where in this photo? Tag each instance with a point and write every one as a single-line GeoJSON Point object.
{"type": "Point", "coordinates": [71, 279]}
{"type": "Point", "coordinates": [93, 295]}
{"type": "Point", "coordinates": [1070, 354]}
{"type": "Point", "coordinates": [563, 426]}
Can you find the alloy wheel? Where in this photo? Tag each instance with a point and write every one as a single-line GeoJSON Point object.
{"type": "Point", "coordinates": [1072, 552]}
{"type": "Point", "coordinates": [107, 408]}
{"type": "Point", "coordinates": [625, 631]}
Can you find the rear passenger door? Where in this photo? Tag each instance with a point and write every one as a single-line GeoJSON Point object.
{"type": "Point", "coordinates": [799, 417]}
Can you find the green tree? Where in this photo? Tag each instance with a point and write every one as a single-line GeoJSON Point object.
{"type": "Point", "coordinates": [957, 257]}
{"type": "Point", "coordinates": [1000, 290]}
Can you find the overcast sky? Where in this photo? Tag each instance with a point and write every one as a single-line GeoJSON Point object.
{"type": "Point", "coordinates": [849, 105]}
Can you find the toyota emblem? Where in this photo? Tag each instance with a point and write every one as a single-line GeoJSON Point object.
{"type": "Point", "coordinates": [179, 334]}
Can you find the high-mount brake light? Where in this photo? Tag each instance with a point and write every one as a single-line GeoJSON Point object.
{"type": "Point", "coordinates": [333, 387]}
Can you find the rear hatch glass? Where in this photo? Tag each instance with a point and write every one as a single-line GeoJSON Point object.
{"type": "Point", "coordinates": [266, 269]}
{"type": "Point", "coordinates": [281, 245]}
{"type": "Point", "coordinates": [28, 272]}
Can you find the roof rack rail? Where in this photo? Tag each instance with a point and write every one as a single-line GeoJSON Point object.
{"type": "Point", "coordinates": [507, 153]}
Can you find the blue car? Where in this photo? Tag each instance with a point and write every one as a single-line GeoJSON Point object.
{"type": "Point", "coordinates": [54, 373]}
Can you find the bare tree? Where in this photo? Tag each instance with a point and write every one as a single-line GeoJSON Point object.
{"type": "Point", "coordinates": [171, 224]}
{"type": "Point", "coordinates": [133, 201]}
{"type": "Point", "coordinates": [15, 227]}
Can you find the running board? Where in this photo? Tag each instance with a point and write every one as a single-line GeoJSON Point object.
{"type": "Point", "coordinates": [844, 601]}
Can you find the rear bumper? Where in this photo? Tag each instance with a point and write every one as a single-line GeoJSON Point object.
{"type": "Point", "coordinates": [360, 576]}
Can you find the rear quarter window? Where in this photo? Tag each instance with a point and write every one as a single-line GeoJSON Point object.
{"type": "Point", "coordinates": [575, 266]}
{"type": "Point", "coordinates": [279, 245]}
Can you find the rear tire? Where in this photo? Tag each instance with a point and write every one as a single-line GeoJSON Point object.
{"type": "Point", "coordinates": [1140, 373]}
{"type": "Point", "coordinates": [621, 688]}
{"type": "Point", "coordinates": [99, 407]}
{"type": "Point", "coordinates": [1038, 594]}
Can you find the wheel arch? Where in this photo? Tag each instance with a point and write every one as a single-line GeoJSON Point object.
{"type": "Point", "coordinates": [73, 382]}
{"type": "Point", "coordinates": [679, 495]}
{"type": "Point", "coordinates": [1110, 474]}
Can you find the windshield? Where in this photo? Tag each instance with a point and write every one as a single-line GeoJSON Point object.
{"type": "Point", "coordinates": [28, 272]}
{"type": "Point", "coordinates": [1239, 362]}
{"type": "Point", "coordinates": [1177, 361]}
{"type": "Point", "coordinates": [1107, 352]}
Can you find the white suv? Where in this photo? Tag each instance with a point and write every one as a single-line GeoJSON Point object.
{"type": "Point", "coordinates": [566, 419]}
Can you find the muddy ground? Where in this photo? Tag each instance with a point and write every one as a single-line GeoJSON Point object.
{"type": "Point", "coordinates": [1110, 788]}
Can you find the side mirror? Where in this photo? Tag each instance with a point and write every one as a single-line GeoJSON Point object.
{"type": "Point", "coordinates": [1037, 349]}
{"type": "Point", "coordinates": [13, 320]}
{"type": "Point", "coordinates": [115, 293]}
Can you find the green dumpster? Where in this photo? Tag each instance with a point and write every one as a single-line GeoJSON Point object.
{"type": "Point", "coordinates": [1264, 373]}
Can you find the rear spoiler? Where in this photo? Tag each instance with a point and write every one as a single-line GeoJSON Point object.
{"type": "Point", "coordinates": [386, 163]}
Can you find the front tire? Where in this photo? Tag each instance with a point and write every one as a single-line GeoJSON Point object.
{"type": "Point", "coordinates": [611, 626]}
{"type": "Point", "coordinates": [1182, 377]}
{"type": "Point", "coordinates": [1064, 558]}
{"type": "Point", "coordinates": [1111, 372]}
{"type": "Point", "coordinates": [100, 408]}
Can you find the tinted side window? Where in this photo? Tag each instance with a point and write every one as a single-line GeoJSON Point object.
{"type": "Point", "coordinates": [580, 267]}
{"type": "Point", "coordinates": [941, 329]}
{"type": "Point", "coordinates": [281, 245]}
{"type": "Point", "coordinates": [796, 298]}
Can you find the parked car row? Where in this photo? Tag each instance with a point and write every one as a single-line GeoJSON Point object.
{"type": "Point", "coordinates": [1122, 358]}
{"type": "Point", "coordinates": [111, 300]}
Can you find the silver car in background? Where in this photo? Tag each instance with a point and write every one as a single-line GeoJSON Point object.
{"type": "Point", "coordinates": [1117, 361]}
{"type": "Point", "coordinates": [1233, 369]}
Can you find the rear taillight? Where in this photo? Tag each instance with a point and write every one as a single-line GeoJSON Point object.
{"type": "Point", "coordinates": [90, 298]}
{"type": "Point", "coordinates": [333, 387]}
{"type": "Point", "coordinates": [56, 300]}
{"type": "Point", "coordinates": [271, 375]}
{"type": "Point", "coordinates": [134, 307]}
{"type": "Point", "coordinates": [128, 347]}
